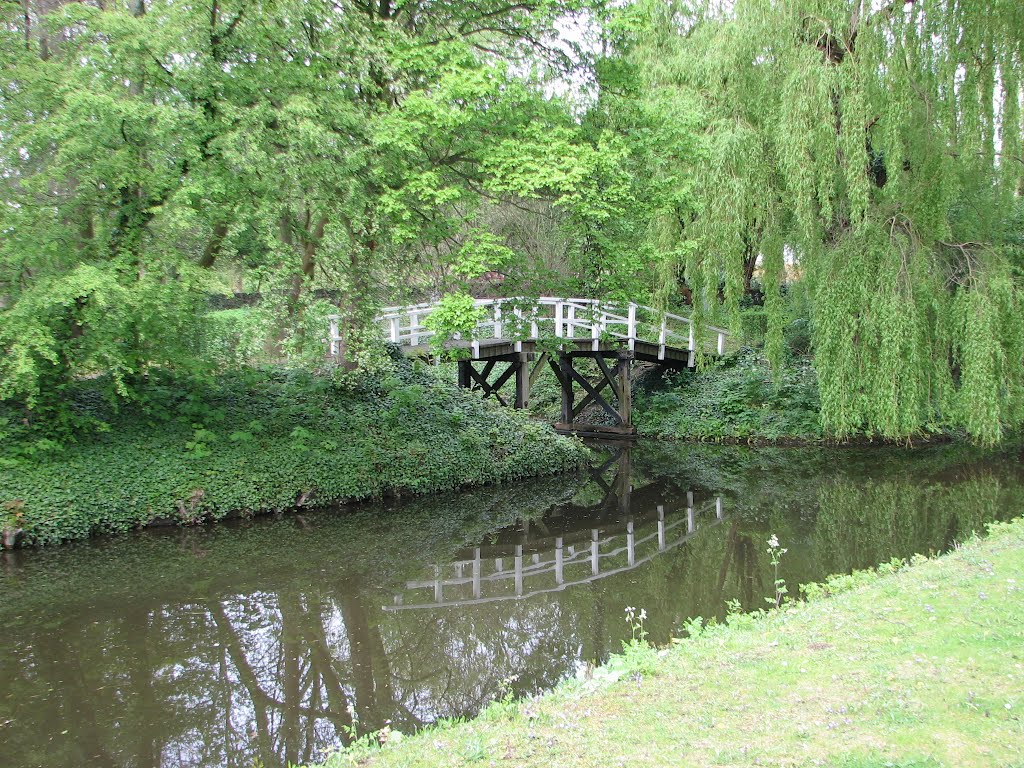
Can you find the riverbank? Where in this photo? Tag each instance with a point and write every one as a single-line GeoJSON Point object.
{"type": "Point", "coordinates": [263, 441]}
{"type": "Point", "coordinates": [906, 666]}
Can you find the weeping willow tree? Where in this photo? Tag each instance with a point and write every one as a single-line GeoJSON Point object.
{"type": "Point", "coordinates": [872, 152]}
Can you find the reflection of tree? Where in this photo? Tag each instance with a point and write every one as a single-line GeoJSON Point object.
{"type": "Point", "coordinates": [859, 525]}
{"type": "Point", "coordinates": [259, 700]}
{"type": "Point", "coordinates": [371, 674]}
{"type": "Point", "coordinates": [138, 622]}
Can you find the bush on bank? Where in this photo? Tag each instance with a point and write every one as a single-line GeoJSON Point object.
{"type": "Point", "coordinates": [254, 441]}
{"type": "Point", "coordinates": [737, 398]}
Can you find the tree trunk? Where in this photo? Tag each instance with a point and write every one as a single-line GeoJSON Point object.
{"type": "Point", "coordinates": [212, 250]}
{"type": "Point", "coordinates": [310, 243]}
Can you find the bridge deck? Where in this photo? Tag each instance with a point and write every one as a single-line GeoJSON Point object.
{"type": "Point", "coordinates": [510, 349]}
{"type": "Point", "coordinates": [519, 330]}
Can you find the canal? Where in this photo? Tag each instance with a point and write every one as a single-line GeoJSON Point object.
{"type": "Point", "coordinates": [268, 641]}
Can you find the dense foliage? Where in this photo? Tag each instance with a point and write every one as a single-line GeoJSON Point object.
{"type": "Point", "coordinates": [854, 165]}
{"type": "Point", "coordinates": [739, 399]}
{"type": "Point", "coordinates": [873, 152]}
{"type": "Point", "coordinates": [259, 441]}
{"type": "Point", "coordinates": [156, 153]}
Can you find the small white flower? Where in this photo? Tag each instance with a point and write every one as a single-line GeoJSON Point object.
{"type": "Point", "coordinates": [643, 614]}
{"type": "Point", "coordinates": [773, 542]}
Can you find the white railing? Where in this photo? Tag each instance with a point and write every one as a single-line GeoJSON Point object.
{"type": "Point", "coordinates": [517, 320]}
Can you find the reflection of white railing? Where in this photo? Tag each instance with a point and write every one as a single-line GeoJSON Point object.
{"type": "Point", "coordinates": [518, 320]}
{"type": "Point", "coordinates": [489, 579]}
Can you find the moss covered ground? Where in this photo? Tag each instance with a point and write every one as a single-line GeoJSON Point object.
{"type": "Point", "coordinates": [260, 441]}
{"type": "Point", "coordinates": [919, 665]}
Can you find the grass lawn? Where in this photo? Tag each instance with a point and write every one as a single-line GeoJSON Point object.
{"type": "Point", "coordinates": [915, 666]}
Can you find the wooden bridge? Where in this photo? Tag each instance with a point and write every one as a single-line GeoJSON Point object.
{"type": "Point", "coordinates": [525, 334]}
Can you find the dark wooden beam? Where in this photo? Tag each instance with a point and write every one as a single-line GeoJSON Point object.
{"type": "Point", "coordinates": [598, 398]}
{"type": "Point", "coordinates": [564, 372]}
{"type": "Point", "coordinates": [625, 390]}
{"type": "Point", "coordinates": [523, 380]}
{"type": "Point", "coordinates": [608, 374]}
{"type": "Point", "coordinates": [505, 376]}
{"type": "Point", "coordinates": [597, 431]}
{"type": "Point", "coordinates": [586, 401]}
{"type": "Point", "coordinates": [538, 368]}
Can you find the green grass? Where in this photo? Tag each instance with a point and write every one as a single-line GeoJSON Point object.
{"type": "Point", "coordinates": [912, 666]}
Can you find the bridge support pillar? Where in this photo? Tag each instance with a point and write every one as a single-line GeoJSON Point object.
{"type": "Point", "coordinates": [617, 379]}
{"type": "Point", "coordinates": [518, 365]}
{"type": "Point", "coordinates": [522, 381]}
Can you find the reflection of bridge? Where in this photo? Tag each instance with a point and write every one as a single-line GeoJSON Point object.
{"type": "Point", "coordinates": [551, 565]}
{"type": "Point", "coordinates": [572, 544]}
{"type": "Point", "coordinates": [520, 331]}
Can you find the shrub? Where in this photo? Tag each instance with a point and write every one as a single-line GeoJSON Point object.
{"type": "Point", "coordinates": [736, 398]}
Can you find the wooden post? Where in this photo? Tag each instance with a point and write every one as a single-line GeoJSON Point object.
{"type": "Point", "coordinates": [625, 390]}
{"type": "Point", "coordinates": [334, 338]}
{"type": "Point", "coordinates": [630, 543]}
{"type": "Point", "coordinates": [519, 569]}
{"type": "Point", "coordinates": [565, 365]}
{"type": "Point", "coordinates": [464, 377]}
{"type": "Point", "coordinates": [523, 381]}
{"type": "Point", "coordinates": [631, 328]}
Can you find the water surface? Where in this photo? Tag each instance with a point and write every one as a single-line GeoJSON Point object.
{"type": "Point", "coordinates": [267, 642]}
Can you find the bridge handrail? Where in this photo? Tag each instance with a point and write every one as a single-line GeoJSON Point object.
{"type": "Point", "coordinates": [570, 318]}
